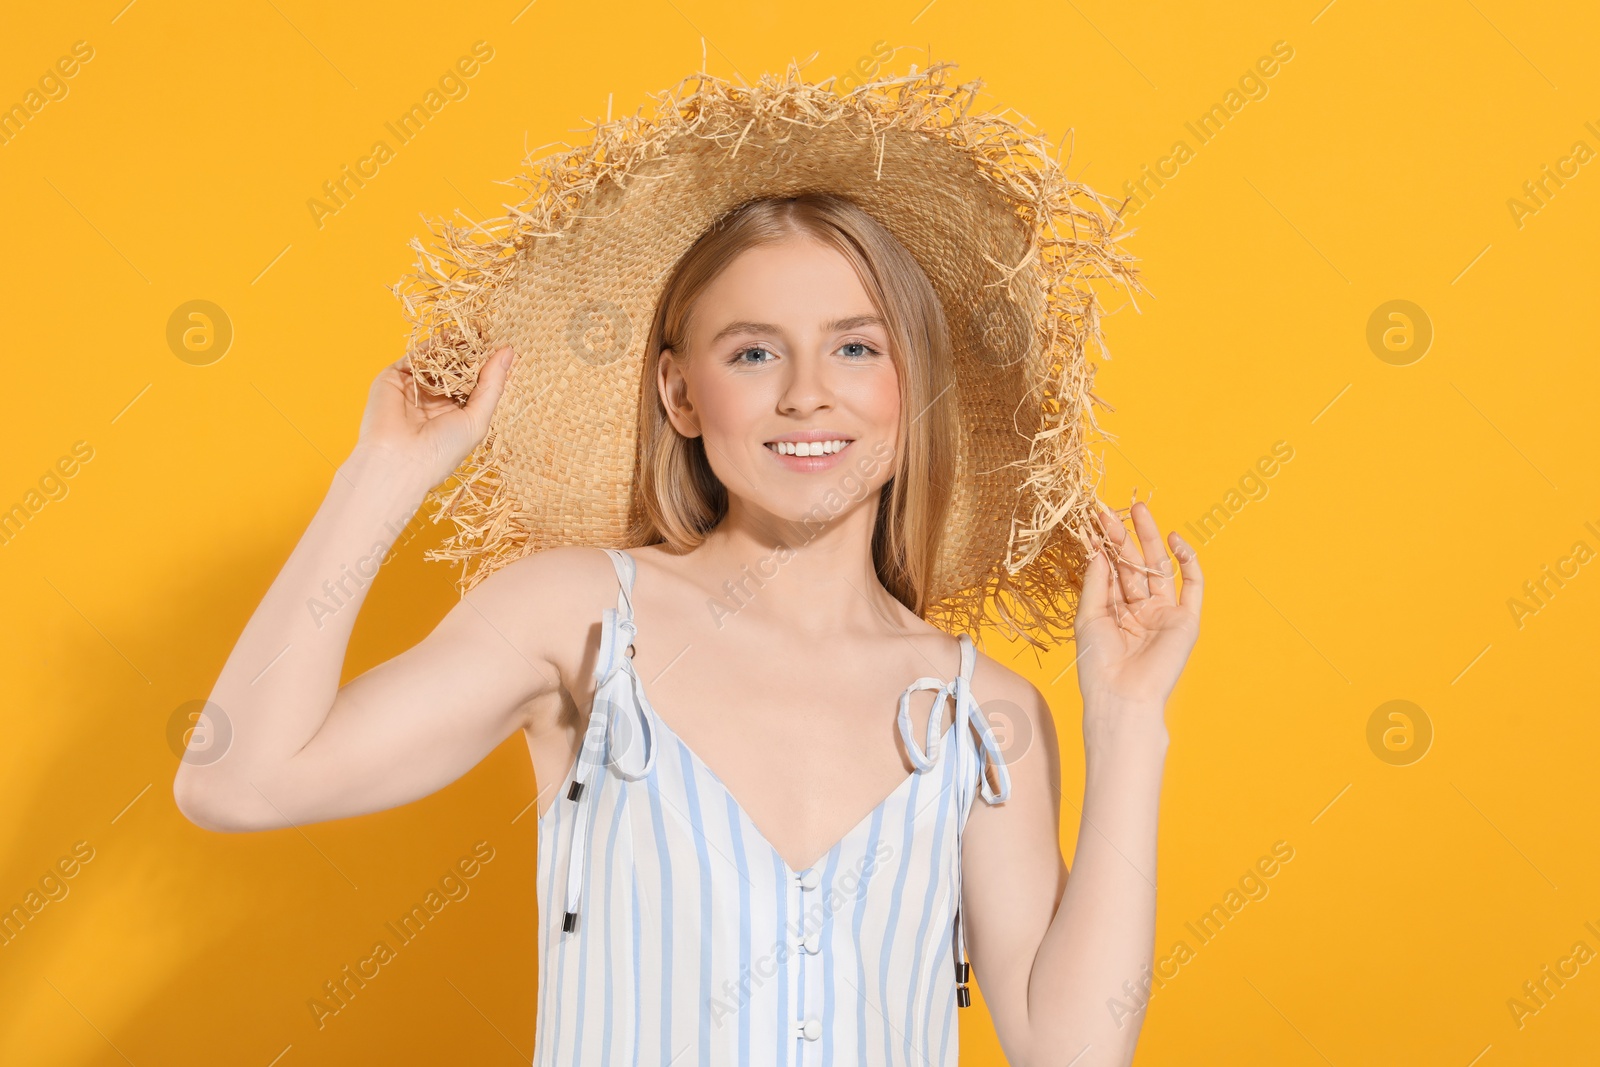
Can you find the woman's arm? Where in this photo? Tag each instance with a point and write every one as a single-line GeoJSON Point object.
{"type": "Point", "coordinates": [1063, 962]}
{"type": "Point", "coordinates": [298, 747]}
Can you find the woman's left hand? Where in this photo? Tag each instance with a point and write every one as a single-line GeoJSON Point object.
{"type": "Point", "coordinates": [1134, 633]}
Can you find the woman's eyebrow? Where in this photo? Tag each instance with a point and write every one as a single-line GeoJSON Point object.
{"type": "Point", "coordinates": [743, 326]}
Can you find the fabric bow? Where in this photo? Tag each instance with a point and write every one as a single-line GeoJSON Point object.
{"type": "Point", "coordinates": [924, 756]}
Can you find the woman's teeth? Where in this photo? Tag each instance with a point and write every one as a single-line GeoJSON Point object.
{"type": "Point", "coordinates": [806, 448]}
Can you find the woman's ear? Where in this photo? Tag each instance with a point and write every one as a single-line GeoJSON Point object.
{"type": "Point", "coordinates": [673, 388]}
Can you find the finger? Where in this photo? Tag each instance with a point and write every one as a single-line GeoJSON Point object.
{"type": "Point", "coordinates": [1189, 566]}
{"type": "Point", "coordinates": [1159, 578]}
{"type": "Point", "coordinates": [406, 375]}
{"type": "Point", "coordinates": [1129, 563]}
{"type": "Point", "coordinates": [491, 383]}
{"type": "Point", "coordinates": [1116, 601]}
{"type": "Point", "coordinates": [398, 371]}
{"type": "Point", "coordinates": [1096, 598]}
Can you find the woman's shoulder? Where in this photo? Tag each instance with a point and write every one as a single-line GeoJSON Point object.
{"type": "Point", "coordinates": [549, 600]}
{"type": "Point", "coordinates": [998, 686]}
{"type": "Point", "coordinates": [570, 569]}
{"type": "Point", "coordinates": [991, 680]}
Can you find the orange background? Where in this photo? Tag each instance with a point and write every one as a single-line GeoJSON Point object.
{"type": "Point", "coordinates": [1378, 563]}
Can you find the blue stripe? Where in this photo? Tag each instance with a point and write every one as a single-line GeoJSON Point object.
{"type": "Point", "coordinates": [800, 965]}
{"type": "Point", "coordinates": [697, 823]}
{"type": "Point", "coordinates": [745, 977]}
{"type": "Point", "coordinates": [785, 884]}
{"type": "Point", "coordinates": [908, 840]}
{"type": "Point", "coordinates": [638, 969]}
{"type": "Point", "coordinates": [827, 959]}
{"type": "Point", "coordinates": [561, 954]}
{"type": "Point", "coordinates": [949, 1026]}
{"type": "Point", "coordinates": [591, 822]}
{"type": "Point", "coordinates": [963, 780]}
{"type": "Point", "coordinates": [665, 856]}
{"type": "Point", "coordinates": [927, 913]}
{"type": "Point", "coordinates": [611, 886]}
{"type": "Point", "coordinates": [861, 958]}
{"type": "Point", "coordinates": [944, 963]}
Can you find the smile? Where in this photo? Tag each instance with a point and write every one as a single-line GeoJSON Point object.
{"type": "Point", "coordinates": [808, 448]}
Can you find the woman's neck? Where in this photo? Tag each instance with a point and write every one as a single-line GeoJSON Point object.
{"type": "Point", "coordinates": [807, 579]}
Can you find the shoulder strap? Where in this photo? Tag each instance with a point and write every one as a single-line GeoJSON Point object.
{"type": "Point", "coordinates": [625, 567]}
{"type": "Point", "coordinates": [984, 747]}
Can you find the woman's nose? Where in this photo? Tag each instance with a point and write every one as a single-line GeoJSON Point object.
{"type": "Point", "coordinates": [808, 384]}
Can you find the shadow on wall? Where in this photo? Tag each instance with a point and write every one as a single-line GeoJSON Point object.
{"type": "Point", "coordinates": [235, 933]}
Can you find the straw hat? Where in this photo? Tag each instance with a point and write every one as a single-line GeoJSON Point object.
{"type": "Point", "coordinates": [571, 276]}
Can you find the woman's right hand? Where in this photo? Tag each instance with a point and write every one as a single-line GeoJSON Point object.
{"type": "Point", "coordinates": [405, 424]}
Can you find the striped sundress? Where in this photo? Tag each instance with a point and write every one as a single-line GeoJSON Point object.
{"type": "Point", "coordinates": [672, 932]}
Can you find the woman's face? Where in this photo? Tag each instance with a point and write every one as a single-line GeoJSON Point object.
{"type": "Point", "coordinates": [786, 353]}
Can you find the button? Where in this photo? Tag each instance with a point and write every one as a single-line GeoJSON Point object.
{"type": "Point", "coordinates": [809, 878]}
{"type": "Point", "coordinates": [811, 1029]}
{"type": "Point", "coordinates": [812, 943]}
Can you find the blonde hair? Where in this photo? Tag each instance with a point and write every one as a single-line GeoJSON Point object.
{"type": "Point", "coordinates": [681, 500]}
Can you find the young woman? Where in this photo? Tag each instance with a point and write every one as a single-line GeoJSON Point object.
{"type": "Point", "coordinates": [758, 832]}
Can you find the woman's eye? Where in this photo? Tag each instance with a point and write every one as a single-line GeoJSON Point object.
{"type": "Point", "coordinates": [856, 350]}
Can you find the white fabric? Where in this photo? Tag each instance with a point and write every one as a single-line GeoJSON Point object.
{"type": "Point", "coordinates": [694, 941]}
